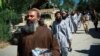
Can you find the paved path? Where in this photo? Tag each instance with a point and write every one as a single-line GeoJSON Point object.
{"type": "Point", "coordinates": [83, 44]}
{"type": "Point", "coordinates": [9, 51]}
{"type": "Point", "coordinates": [86, 44]}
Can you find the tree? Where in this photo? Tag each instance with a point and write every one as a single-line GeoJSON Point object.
{"type": "Point", "coordinates": [66, 5]}
{"type": "Point", "coordinates": [20, 5]}
{"type": "Point", "coordinates": [94, 4]}
{"type": "Point", "coordinates": [9, 12]}
{"type": "Point", "coordinates": [6, 17]}
{"type": "Point", "coordinates": [82, 5]}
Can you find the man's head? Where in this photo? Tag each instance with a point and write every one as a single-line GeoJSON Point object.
{"type": "Point", "coordinates": [64, 14]}
{"type": "Point", "coordinates": [58, 16]}
{"type": "Point", "coordinates": [72, 13]}
{"type": "Point", "coordinates": [33, 15]}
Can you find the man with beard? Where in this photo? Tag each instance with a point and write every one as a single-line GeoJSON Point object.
{"type": "Point", "coordinates": [67, 18]}
{"type": "Point", "coordinates": [61, 32]}
{"type": "Point", "coordinates": [36, 37]}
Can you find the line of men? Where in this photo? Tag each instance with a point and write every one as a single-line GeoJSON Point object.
{"type": "Point", "coordinates": [64, 25]}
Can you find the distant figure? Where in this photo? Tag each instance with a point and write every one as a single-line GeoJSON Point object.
{"type": "Point", "coordinates": [67, 18]}
{"type": "Point", "coordinates": [35, 38]}
{"type": "Point", "coordinates": [74, 21]}
{"type": "Point", "coordinates": [79, 14]}
{"type": "Point", "coordinates": [94, 18]}
{"type": "Point", "coordinates": [85, 21]}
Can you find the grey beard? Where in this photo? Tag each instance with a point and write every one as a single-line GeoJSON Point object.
{"type": "Point", "coordinates": [30, 27]}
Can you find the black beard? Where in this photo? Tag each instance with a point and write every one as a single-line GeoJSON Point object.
{"type": "Point", "coordinates": [64, 17]}
{"type": "Point", "coordinates": [58, 20]}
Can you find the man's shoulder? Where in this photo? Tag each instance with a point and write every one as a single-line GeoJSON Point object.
{"type": "Point", "coordinates": [43, 28]}
{"type": "Point", "coordinates": [63, 22]}
{"type": "Point", "coordinates": [55, 23]}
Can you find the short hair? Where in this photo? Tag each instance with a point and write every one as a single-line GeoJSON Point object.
{"type": "Point", "coordinates": [37, 10]}
{"type": "Point", "coordinates": [58, 12]}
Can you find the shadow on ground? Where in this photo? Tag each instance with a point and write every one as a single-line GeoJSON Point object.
{"type": "Point", "coordinates": [94, 33]}
{"type": "Point", "coordinates": [94, 51]}
{"type": "Point", "coordinates": [80, 32]}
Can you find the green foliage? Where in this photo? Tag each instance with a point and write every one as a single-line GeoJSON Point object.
{"type": "Point", "coordinates": [9, 15]}
{"type": "Point", "coordinates": [95, 4]}
{"type": "Point", "coordinates": [6, 17]}
{"type": "Point", "coordinates": [4, 32]}
{"type": "Point", "coordinates": [10, 11]}
{"type": "Point", "coordinates": [82, 5]}
{"type": "Point", "coordinates": [68, 4]}
{"type": "Point", "coordinates": [20, 5]}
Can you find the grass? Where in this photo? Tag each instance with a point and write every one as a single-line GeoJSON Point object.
{"type": "Point", "coordinates": [3, 44]}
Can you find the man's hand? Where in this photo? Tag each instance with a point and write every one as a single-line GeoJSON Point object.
{"type": "Point", "coordinates": [70, 48]}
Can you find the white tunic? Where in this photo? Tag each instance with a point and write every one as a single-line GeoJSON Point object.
{"type": "Point", "coordinates": [71, 24]}
{"type": "Point", "coordinates": [68, 23]}
{"type": "Point", "coordinates": [60, 30]}
{"type": "Point", "coordinates": [79, 20]}
{"type": "Point", "coordinates": [74, 21]}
